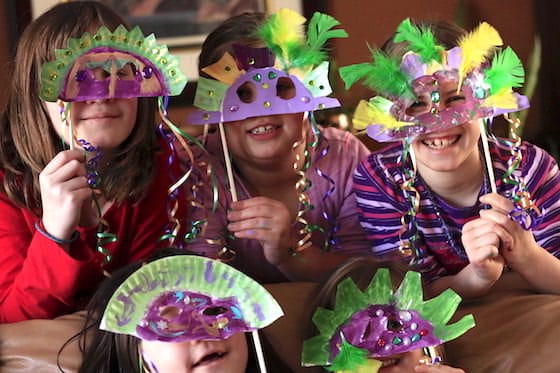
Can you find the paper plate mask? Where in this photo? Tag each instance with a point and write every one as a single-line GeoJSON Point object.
{"type": "Point", "coordinates": [378, 323]}
{"type": "Point", "coordinates": [186, 297]}
{"type": "Point", "coordinates": [119, 64]}
{"type": "Point", "coordinates": [485, 86]}
{"type": "Point", "coordinates": [248, 84]}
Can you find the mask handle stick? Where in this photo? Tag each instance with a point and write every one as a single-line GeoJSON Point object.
{"type": "Point", "coordinates": [487, 158]}
{"type": "Point", "coordinates": [233, 190]}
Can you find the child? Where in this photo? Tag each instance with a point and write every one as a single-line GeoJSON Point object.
{"type": "Point", "coordinates": [177, 313]}
{"type": "Point", "coordinates": [376, 329]}
{"type": "Point", "coordinates": [84, 184]}
{"type": "Point", "coordinates": [295, 216]}
{"type": "Point", "coordinates": [432, 206]}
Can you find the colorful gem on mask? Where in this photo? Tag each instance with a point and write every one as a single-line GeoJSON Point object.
{"type": "Point", "coordinates": [265, 85]}
{"type": "Point", "coordinates": [81, 75]}
{"type": "Point", "coordinates": [266, 104]}
{"type": "Point", "coordinates": [257, 77]}
{"type": "Point", "coordinates": [233, 108]}
{"type": "Point", "coordinates": [251, 61]}
{"type": "Point", "coordinates": [147, 72]}
{"type": "Point", "coordinates": [272, 75]}
{"type": "Point", "coordinates": [435, 97]}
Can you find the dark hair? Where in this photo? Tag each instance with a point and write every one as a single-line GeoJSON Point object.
{"type": "Point", "coordinates": [28, 140]}
{"type": "Point", "coordinates": [447, 34]}
{"type": "Point", "coordinates": [361, 270]}
{"type": "Point", "coordinates": [107, 352]}
{"type": "Point", "coordinates": [240, 29]}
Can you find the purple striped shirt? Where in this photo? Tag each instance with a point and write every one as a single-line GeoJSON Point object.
{"type": "Point", "coordinates": [382, 203]}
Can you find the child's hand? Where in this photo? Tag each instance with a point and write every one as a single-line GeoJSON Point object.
{"type": "Point", "coordinates": [516, 243]}
{"type": "Point", "coordinates": [266, 220]}
{"type": "Point", "coordinates": [482, 243]}
{"type": "Point", "coordinates": [438, 368]}
{"type": "Point", "coordinates": [64, 189]}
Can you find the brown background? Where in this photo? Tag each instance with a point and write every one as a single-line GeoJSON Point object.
{"type": "Point", "coordinates": [372, 21]}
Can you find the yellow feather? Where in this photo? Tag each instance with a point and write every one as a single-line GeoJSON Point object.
{"type": "Point", "coordinates": [476, 47]}
{"type": "Point", "coordinates": [367, 114]}
{"type": "Point", "coordinates": [504, 99]}
{"type": "Point", "coordinates": [289, 27]}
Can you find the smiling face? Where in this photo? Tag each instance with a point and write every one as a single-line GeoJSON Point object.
{"type": "Point", "coordinates": [105, 123]}
{"type": "Point", "coordinates": [227, 356]}
{"type": "Point", "coordinates": [447, 149]}
{"type": "Point", "coordinates": [264, 139]}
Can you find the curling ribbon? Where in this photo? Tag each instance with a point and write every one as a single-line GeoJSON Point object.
{"type": "Point", "coordinates": [331, 241]}
{"type": "Point", "coordinates": [103, 235]}
{"type": "Point", "coordinates": [525, 211]}
{"type": "Point", "coordinates": [407, 247]}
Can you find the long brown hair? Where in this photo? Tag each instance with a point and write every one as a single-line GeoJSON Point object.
{"type": "Point", "coordinates": [28, 140]}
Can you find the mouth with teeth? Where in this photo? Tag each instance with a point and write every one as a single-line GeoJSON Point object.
{"type": "Point", "coordinates": [263, 130]}
{"type": "Point", "coordinates": [438, 143]}
{"type": "Point", "coordinates": [209, 359]}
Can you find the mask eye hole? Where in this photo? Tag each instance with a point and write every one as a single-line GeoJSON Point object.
{"type": "Point", "coordinates": [169, 312]}
{"type": "Point", "coordinates": [127, 72]}
{"type": "Point", "coordinates": [247, 92]}
{"type": "Point", "coordinates": [394, 325]}
{"type": "Point", "coordinates": [285, 88]}
{"type": "Point", "coordinates": [214, 311]}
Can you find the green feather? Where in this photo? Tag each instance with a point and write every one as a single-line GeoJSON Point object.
{"type": "Point", "coordinates": [319, 30]}
{"type": "Point", "coordinates": [421, 41]}
{"type": "Point", "coordinates": [298, 54]}
{"type": "Point", "coordinates": [506, 70]}
{"type": "Point", "coordinates": [383, 75]}
{"type": "Point", "coordinates": [348, 358]}
{"type": "Point", "coordinates": [352, 73]}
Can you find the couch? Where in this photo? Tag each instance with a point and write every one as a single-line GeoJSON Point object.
{"type": "Point", "coordinates": [517, 331]}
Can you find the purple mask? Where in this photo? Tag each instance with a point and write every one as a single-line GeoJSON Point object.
{"type": "Point", "coordinates": [384, 330]}
{"type": "Point", "coordinates": [262, 92]}
{"type": "Point", "coordinates": [184, 315]}
{"type": "Point", "coordinates": [186, 297]}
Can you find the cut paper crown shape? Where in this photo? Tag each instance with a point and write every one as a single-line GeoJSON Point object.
{"type": "Point", "coordinates": [119, 64]}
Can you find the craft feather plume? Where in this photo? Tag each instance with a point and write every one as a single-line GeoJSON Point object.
{"type": "Point", "coordinates": [376, 111]}
{"type": "Point", "coordinates": [383, 75]}
{"type": "Point", "coordinates": [348, 359]}
{"type": "Point", "coordinates": [506, 71]}
{"type": "Point", "coordinates": [421, 41]}
{"type": "Point", "coordinates": [283, 34]}
{"type": "Point", "coordinates": [476, 46]}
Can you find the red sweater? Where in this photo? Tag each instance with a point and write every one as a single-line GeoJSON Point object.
{"type": "Point", "coordinates": [38, 279]}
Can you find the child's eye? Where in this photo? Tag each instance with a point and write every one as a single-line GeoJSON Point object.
{"type": "Point", "coordinates": [454, 100]}
{"type": "Point", "coordinates": [417, 107]}
{"type": "Point", "coordinates": [127, 72]}
{"type": "Point", "coordinates": [247, 92]}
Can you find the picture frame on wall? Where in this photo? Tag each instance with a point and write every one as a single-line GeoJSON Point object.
{"type": "Point", "coordinates": [181, 24]}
